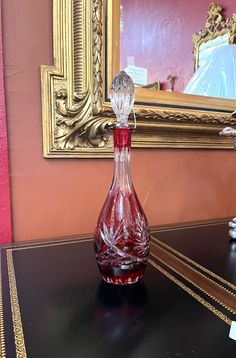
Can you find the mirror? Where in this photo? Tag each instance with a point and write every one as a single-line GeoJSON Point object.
{"type": "Point", "coordinates": [164, 46]}
{"type": "Point", "coordinates": [87, 53]}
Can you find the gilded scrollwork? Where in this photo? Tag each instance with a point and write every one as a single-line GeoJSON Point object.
{"type": "Point", "coordinates": [97, 29]}
{"type": "Point", "coordinates": [75, 127]}
{"type": "Point", "coordinates": [216, 25]}
{"type": "Point", "coordinates": [180, 117]}
{"type": "Point", "coordinates": [177, 117]}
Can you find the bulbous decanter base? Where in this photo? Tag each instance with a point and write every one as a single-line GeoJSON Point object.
{"type": "Point", "coordinates": [122, 247]}
{"type": "Point", "coordinates": [122, 276]}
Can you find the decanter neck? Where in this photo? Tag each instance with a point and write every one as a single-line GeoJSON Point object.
{"type": "Point", "coordinates": [122, 174]}
{"type": "Point", "coordinates": [122, 138]}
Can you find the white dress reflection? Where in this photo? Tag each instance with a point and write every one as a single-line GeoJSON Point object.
{"type": "Point", "coordinates": [216, 77]}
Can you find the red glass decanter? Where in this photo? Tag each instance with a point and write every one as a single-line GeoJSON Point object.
{"type": "Point", "coordinates": [122, 235]}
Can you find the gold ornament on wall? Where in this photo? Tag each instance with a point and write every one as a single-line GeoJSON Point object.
{"type": "Point", "coordinates": [216, 26]}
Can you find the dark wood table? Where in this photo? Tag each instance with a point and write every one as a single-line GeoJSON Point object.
{"type": "Point", "coordinates": [54, 304]}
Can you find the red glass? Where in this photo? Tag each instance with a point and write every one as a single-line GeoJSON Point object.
{"type": "Point", "coordinates": [122, 235]}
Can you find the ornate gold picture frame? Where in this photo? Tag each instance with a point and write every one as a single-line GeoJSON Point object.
{"type": "Point", "coordinates": [76, 111]}
{"type": "Point", "coordinates": [216, 26]}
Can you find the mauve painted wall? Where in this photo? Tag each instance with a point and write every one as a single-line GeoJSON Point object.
{"type": "Point", "coordinates": [62, 197]}
{"type": "Point", "coordinates": [158, 34]}
{"type": "Point", "coordinates": [5, 220]}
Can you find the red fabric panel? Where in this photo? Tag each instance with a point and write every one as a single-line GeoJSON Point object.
{"type": "Point", "coordinates": [5, 219]}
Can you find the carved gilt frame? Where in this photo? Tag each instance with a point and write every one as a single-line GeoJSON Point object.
{"type": "Point", "coordinates": [216, 25]}
{"type": "Point", "coordinates": [76, 114]}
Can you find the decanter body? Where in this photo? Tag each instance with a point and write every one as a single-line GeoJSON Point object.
{"type": "Point", "coordinates": [122, 234]}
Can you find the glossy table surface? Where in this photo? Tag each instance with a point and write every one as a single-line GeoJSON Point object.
{"type": "Point", "coordinates": [54, 304]}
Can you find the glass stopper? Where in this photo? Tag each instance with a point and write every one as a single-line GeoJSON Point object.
{"type": "Point", "coordinates": [122, 98]}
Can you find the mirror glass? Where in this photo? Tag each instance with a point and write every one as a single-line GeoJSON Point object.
{"type": "Point", "coordinates": [157, 47]}
{"type": "Point", "coordinates": [205, 48]}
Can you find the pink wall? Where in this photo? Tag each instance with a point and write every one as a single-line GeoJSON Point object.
{"type": "Point", "coordinates": [158, 34]}
{"type": "Point", "coordinates": [63, 197]}
{"type": "Point", "coordinates": [5, 220]}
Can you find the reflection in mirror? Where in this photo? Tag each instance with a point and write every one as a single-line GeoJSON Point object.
{"type": "Point", "coordinates": [216, 76]}
{"type": "Point", "coordinates": [166, 42]}
{"type": "Point", "coordinates": [205, 48]}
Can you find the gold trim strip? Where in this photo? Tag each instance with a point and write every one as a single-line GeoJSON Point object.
{"type": "Point", "coordinates": [15, 309]}
{"type": "Point", "coordinates": [229, 303]}
{"type": "Point", "coordinates": [206, 304]}
{"type": "Point", "coordinates": [194, 263]}
{"type": "Point", "coordinates": [153, 229]}
{"type": "Point", "coordinates": [189, 225]}
{"type": "Point", "coordinates": [61, 243]}
{"type": "Point", "coordinates": [2, 336]}
{"type": "Point", "coordinates": [47, 242]}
